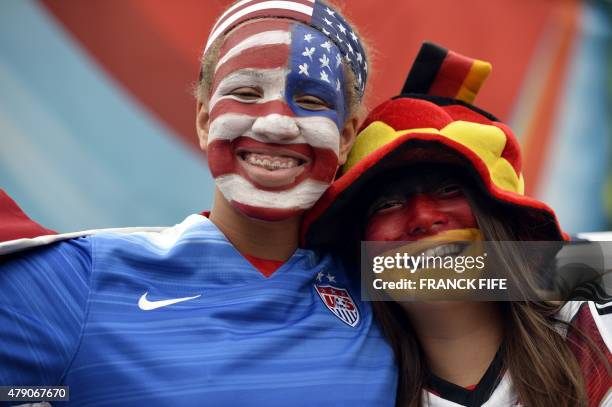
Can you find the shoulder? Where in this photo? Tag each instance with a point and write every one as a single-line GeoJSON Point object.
{"type": "Point", "coordinates": [590, 318]}
{"type": "Point", "coordinates": [44, 294]}
{"type": "Point", "coordinates": [193, 230]}
{"type": "Point", "coordinates": [58, 259]}
{"type": "Point", "coordinates": [589, 336]}
{"type": "Point", "coordinates": [59, 270]}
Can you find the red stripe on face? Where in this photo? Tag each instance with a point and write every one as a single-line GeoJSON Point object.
{"type": "Point", "coordinates": [450, 77]}
{"type": "Point", "coordinates": [267, 214]}
{"type": "Point", "coordinates": [223, 160]}
{"type": "Point", "coordinates": [224, 106]}
{"type": "Point", "coordinates": [268, 12]}
{"type": "Point", "coordinates": [419, 216]}
{"type": "Point", "coordinates": [262, 57]}
{"type": "Point", "coordinates": [301, 149]}
{"type": "Point", "coordinates": [277, 13]}
{"type": "Point", "coordinates": [251, 28]}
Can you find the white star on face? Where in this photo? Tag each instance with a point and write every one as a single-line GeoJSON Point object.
{"type": "Point", "coordinates": [325, 31]}
{"type": "Point", "coordinates": [324, 77]}
{"type": "Point", "coordinates": [308, 37]}
{"type": "Point", "coordinates": [339, 39]}
{"type": "Point", "coordinates": [327, 21]}
{"type": "Point", "coordinates": [331, 278]}
{"type": "Point", "coordinates": [350, 48]}
{"type": "Point", "coordinates": [324, 60]}
{"type": "Point", "coordinates": [359, 57]}
{"type": "Point", "coordinates": [347, 58]}
{"type": "Point", "coordinates": [365, 67]}
{"type": "Point", "coordinates": [327, 45]}
{"type": "Point", "coordinates": [330, 11]}
{"type": "Point", "coordinates": [320, 276]}
{"type": "Point", "coordinates": [353, 36]}
{"type": "Point", "coordinates": [359, 79]}
{"type": "Point", "coordinates": [308, 52]}
{"type": "Point", "coordinates": [338, 60]}
{"type": "Point", "coordinates": [304, 69]}
{"type": "Point", "coordinates": [342, 28]}
{"type": "Point", "coordinates": [337, 85]}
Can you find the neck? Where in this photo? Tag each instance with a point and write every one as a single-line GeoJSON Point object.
{"type": "Point", "coordinates": [460, 340]}
{"type": "Point", "coordinates": [267, 240]}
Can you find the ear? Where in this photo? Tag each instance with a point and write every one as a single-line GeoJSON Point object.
{"type": "Point", "coordinates": [202, 123]}
{"type": "Point", "coordinates": [347, 138]}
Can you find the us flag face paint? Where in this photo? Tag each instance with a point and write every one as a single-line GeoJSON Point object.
{"type": "Point", "coordinates": [277, 109]}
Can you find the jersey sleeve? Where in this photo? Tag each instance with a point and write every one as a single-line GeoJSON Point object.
{"type": "Point", "coordinates": [589, 338]}
{"type": "Point", "coordinates": [43, 299]}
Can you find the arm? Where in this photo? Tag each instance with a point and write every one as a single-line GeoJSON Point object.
{"type": "Point", "coordinates": [43, 304]}
{"type": "Point", "coordinates": [589, 337]}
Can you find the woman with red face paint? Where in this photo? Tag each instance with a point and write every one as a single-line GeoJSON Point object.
{"type": "Point", "coordinates": [430, 167]}
{"type": "Point", "coordinates": [223, 310]}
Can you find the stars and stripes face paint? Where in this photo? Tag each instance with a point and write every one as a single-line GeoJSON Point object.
{"type": "Point", "coordinates": [277, 109]}
{"type": "Point", "coordinates": [313, 13]}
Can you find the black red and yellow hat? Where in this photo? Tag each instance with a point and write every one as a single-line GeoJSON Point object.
{"type": "Point", "coordinates": [431, 122]}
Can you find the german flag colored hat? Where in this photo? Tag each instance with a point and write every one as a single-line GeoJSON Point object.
{"type": "Point", "coordinates": [431, 122]}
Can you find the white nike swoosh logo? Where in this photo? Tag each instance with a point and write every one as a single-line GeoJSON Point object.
{"type": "Point", "coordinates": [147, 305]}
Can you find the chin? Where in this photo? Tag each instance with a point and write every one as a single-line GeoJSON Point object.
{"type": "Point", "coordinates": [267, 214]}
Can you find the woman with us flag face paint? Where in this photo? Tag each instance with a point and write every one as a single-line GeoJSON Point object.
{"type": "Point", "coordinates": [277, 113]}
{"type": "Point", "coordinates": [223, 310]}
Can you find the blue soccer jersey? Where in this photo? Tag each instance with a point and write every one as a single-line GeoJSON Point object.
{"type": "Point", "coordinates": [179, 317]}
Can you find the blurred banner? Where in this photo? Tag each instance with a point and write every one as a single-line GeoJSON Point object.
{"type": "Point", "coordinates": [97, 122]}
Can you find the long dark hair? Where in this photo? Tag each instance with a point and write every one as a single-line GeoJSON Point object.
{"type": "Point", "coordinates": [543, 369]}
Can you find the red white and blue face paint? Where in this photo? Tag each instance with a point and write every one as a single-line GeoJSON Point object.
{"type": "Point", "coordinates": [419, 206]}
{"type": "Point", "coordinates": [277, 109]}
{"type": "Point", "coordinates": [313, 13]}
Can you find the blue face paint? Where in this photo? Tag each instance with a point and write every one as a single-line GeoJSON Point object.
{"type": "Point", "coordinates": [316, 69]}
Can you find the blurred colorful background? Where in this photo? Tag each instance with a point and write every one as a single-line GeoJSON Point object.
{"type": "Point", "coordinates": [97, 119]}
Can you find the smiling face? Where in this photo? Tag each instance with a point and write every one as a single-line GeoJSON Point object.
{"type": "Point", "coordinates": [419, 206]}
{"type": "Point", "coordinates": [276, 118]}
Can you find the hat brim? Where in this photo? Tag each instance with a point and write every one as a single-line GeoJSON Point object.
{"type": "Point", "coordinates": [335, 214]}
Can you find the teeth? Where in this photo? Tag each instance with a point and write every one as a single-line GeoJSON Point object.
{"type": "Point", "coordinates": [271, 162]}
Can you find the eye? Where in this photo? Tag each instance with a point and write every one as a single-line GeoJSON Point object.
{"type": "Point", "coordinates": [246, 93]}
{"type": "Point", "coordinates": [385, 205]}
{"type": "Point", "coordinates": [449, 190]}
{"type": "Point", "coordinates": [310, 102]}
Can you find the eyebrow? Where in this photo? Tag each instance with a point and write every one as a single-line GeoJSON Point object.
{"type": "Point", "coordinates": [257, 76]}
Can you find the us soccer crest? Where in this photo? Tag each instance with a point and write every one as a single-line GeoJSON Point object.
{"type": "Point", "coordinates": [340, 303]}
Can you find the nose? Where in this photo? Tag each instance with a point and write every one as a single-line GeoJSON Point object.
{"type": "Point", "coordinates": [424, 217]}
{"type": "Point", "coordinates": [276, 127]}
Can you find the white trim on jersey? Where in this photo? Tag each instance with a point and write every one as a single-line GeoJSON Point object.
{"type": "Point", "coordinates": [607, 401]}
{"type": "Point", "coordinates": [503, 396]}
{"type": "Point", "coordinates": [14, 246]}
{"type": "Point", "coordinates": [569, 310]}
{"type": "Point", "coordinates": [163, 237]}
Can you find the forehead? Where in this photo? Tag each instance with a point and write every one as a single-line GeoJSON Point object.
{"type": "Point", "coordinates": [273, 43]}
{"type": "Point", "coordinates": [255, 28]}
{"type": "Point", "coordinates": [422, 178]}
{"type": "Point", "coordinates": [286, 60]}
